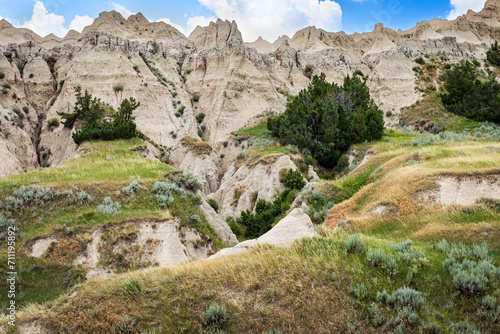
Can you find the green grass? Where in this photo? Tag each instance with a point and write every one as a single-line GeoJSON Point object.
{"type": "Point", "coordinates": [259, 131]}
{"type": "Point", "coordinates": [105, 161]}
{"type": "Point", "coordinates": [40, 281]}
{"type": "Point", "coordinates": [102, 171]}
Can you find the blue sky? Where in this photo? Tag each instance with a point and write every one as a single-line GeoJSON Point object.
{"type": "Point", "coordinates": [266, 18]}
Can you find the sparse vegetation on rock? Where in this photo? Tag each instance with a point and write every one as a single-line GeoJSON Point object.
{"type": "Point", "coordinates": [90, 114]}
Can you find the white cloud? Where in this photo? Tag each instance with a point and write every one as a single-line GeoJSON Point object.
{"type": "Point", "coordinates": [191, 24]}
{"type": "Point", "coordinates": [461, 7]}
{"type": "Point", "coordinates": [80, 22]}
{"type": "Point", "coordinates": [195, 21]}
{"type": "Point", "coordinates": [272, 18]}
{"type": "Point", "coordinates": [122, 9]}
{"type": "Point", "coordinates": [175, 25]}
{"type": "Point", "coordinates": [44, 23]}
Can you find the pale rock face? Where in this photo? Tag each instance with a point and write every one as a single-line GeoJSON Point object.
{"type": "Point", "coordinates": [235, 81]}
{"type": "Point", "coordinates": [218, 224]}
{"type": "Point", "coordinates": [464, 190]}
{"type": "Point", "coordinates": [296, 225]}
{"type": "Point", "coordinates": [262, 178]}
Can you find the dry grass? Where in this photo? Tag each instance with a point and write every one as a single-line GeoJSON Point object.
{"type": "Point", "coordinates": [196, 146]}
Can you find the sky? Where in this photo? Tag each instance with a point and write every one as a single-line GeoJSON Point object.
{"type": "Point", "coordinates": [267, 18]}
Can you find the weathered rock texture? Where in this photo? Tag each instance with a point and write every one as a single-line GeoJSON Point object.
{"type": "Point", "coordinates": [296, 225]}
{"type": "Point", "coordinates": [235, 80]}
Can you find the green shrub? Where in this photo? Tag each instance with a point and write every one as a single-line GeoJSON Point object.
{"type": "Point", "coordinates": [136, 68]}
{"type": "Point", "coordinates": [26, 109]}
{"type": "Point", "coordinates": [200, 117]}
{"type": "Point", "coordinates": [18, 112]}
{"type": "Point", "coordinates": [181, 110]}
{"type": "Point", "coordinates": [6, 85]}
{"type": "Point", "coordinates": [225, 143]}
{"type": "Point", "coordinates": [354, 245]}
{"type": "Point", "coordinates": [292, 179]}
{"type": "Point", "coordinates": [118, 87]}
{"type": "Point", "coordinates": [196, 98]}
{"type": "Point", "coordinates": [493, 54]}
{"type": "Point", "coordinates": [131, 287]}
{"type": "Point", "coordinates": [266, 214]}
{"type": "Point", "coordinates": [214, 317]}
{"type": "Point", "coordinates": [324, 120]}
{"type": "Point", "coordinates": [52, 122]}
{"type": "Point", "coordinates": [213, 203]}
{"type": "Point", "coordinates": [2, 75]}
{"type": "Point", "coordinates": [235, 228]}
{"type": "Point", "coordinates": [470, 97]}
{"type": "Point", "coordinates": [177, 114]}
{"type": "Point", "coordinates": [420, 60]}
{"type": "Point", "coordinates": [90, 112]}
{"type": "Point", "coordinates": [31, 76]}
{"type": "Point", "coordinates": [5, 91]}
{"type": "Point", "coordinates": [127, 325]}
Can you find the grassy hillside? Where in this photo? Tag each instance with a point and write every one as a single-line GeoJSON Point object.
{"type": "Point", "coordinates": [69, 202]}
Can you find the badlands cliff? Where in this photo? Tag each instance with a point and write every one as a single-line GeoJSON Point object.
{"type": "Point", "coordinates": [235, 81]}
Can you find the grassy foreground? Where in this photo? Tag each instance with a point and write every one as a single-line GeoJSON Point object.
{"type": "Point", "coordinates": [319, 285]}
{"type": "Point", "coordinates": [68, 203]}
{"type": "Point", "coordinates": [389, 273]}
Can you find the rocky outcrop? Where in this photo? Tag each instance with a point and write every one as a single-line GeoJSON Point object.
{"type": "Point", "coordinates": [235, 81]}
{"type": "Point", "coordinates": [296, 225]}
{"type": "Point", "coordinates": [464, 189]}
{"type": "Point", "coordinates": [243, 185]}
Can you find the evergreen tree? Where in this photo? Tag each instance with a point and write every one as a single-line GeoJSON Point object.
{"type": "Point", "coordinates": [325, 119]}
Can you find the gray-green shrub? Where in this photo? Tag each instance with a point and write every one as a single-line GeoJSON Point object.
{"type": "Point", "coordinates": [164, 193]}
{"type": "Point", "coordinates": [409, 297]}
{"type": "Point", "coordinates": [359, 291]}
{"type": "Point", "coordinates": [133, 188]}
{"type": "Point", "coordinates": [354, 245]}
{"type": "Point", "coordinates": [462, 327]}
{"type": "Point", "coordinates": [380, 259]}
{"type": "Point", "coordinates": [187, 182]}
{"type": "Point", "coordinates": [108, 207]}
{"type": "Point", "coordinates": [214, 316]}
